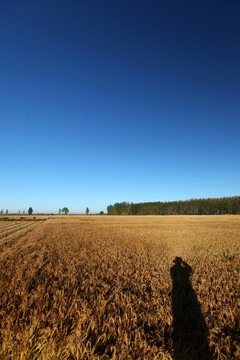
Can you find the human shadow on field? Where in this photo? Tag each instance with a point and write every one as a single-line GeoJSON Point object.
{"type": "Point", "coordinates": [190, 332]}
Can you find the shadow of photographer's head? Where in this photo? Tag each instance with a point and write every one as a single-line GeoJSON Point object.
{"type": "Point", "coordinates": [178, 260]}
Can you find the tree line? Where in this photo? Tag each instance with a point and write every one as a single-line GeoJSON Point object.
{"type": "Point", "coordinates": [64, 211]}
{"type": "Point", "coordinates": [210, 206]}
{"type": "Point", "coordinates": [30, 211]}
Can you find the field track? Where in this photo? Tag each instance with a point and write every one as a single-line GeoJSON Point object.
{"type": "Point", "coordinates": [12, 229]}
{"type": "Point", "coordinates": [11, 234]}
{"type": "Point", "coordinates": [105, 287]}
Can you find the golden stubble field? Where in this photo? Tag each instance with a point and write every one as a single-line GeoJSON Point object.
{"type": "Point", "coordinates": [120, 287]}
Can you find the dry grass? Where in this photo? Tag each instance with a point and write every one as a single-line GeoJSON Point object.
{"type": "Point", "coordinates": [102, 287]}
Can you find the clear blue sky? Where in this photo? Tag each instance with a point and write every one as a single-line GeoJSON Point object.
{"type": "Point", "coordinates": [109, 101]}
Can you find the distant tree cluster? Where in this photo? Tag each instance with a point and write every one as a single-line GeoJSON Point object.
{"type": "Point", "coordinates": [218, 206]}
{"type": "Point", "coordinates": [64, 210]}
{"type": "Point", "coordinates": [123, 208]}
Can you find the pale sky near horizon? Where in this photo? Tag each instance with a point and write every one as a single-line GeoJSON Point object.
{"type": "Point", "coordinates": [103, 102]}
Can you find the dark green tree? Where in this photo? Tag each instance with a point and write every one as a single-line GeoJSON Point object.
{"type": "Point", "coordinates": [87, 210]}
{"type": "Point", "coordinates": [65, 210]}
{"type": "Point", "coordinates": [30, 211]}
{"type": "Point", "coordinates": [111, 210]}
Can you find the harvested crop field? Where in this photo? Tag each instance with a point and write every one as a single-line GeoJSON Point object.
{"type": "Point", "coordinates": [123, 287]}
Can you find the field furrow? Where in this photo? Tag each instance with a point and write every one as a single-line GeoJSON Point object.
{"type": "Point", "coordinates": [4, 225]}
{"type": "Point", "coordinates": [11, 237]}
{"type": "Point", "coordinates": [6, 232]}
{"type": "Point", "coordinates": [7, 229]}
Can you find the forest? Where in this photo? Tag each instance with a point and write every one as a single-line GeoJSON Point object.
{"type": "Point", "coordinates": [210, 206]}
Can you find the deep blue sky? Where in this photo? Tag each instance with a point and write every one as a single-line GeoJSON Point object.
{"type": "Point", "coordinates": [108, 101]}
